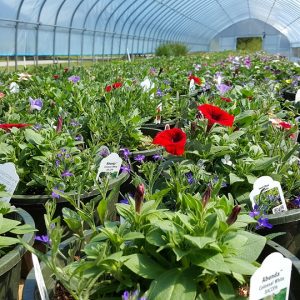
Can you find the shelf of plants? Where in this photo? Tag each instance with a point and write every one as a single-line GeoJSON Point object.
{"type": "Point", "coordinates": [184, 227]}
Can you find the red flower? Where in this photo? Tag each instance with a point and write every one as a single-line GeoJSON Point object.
{"type": "Point", "coordinates": [197, 80]}
{"type": "Point", "coordinates": [226, 99]}
{"type": "Point", "coordinates": [7, 127]}
{"type": "Point", "coordinates": [108, 88]}
{"type": "Point", "coordinates": [1, 95]}
{"type": "Point", "coordinates": [55, 76]}
{"type": "Point", "coordinates": [173, 140]}
{"type": "Point", "coordinates": [117, 85]}
{"type": "Point", "coordinates": [215, 114]}
{"type": "Point", "coordinates": [285, 125]}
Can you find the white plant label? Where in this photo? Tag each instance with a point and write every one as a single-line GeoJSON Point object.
{"type": "Point", "coordinates": [192, 86]}
{"type": "Point", "coordinates": [9, 178]}
{"type": "Point", "coordinates": [39, 278]}
{"type": "Point", "coordinates": [110, 164]}
{"type": "Point", "coordinates": [267, 194]}
{"type": "Point", "coordinates": [272, 278]}
{"type": "Point", "coordinates": [158, 114]}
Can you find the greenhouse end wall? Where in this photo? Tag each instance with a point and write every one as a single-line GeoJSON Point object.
{"type": "Point", "coordinates": [273, 41]}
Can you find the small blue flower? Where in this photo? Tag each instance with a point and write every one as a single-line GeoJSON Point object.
{"type": "Point", "coordinates": [139, 158]}
{"type": "Point", "coordinates": [125, 153]}
{"type": "Point", "coordinates": [78, 137]}
{"type": "Point", "coordinates": [296, 201]}
{"type": "Point", "coordinates": [124, 201]}
{"type": "Point", "coordinates": [57, 163]}
{"type": "Point", "coordinates": [159, 93]}
{"type": "Point", "coordinates": [263, 223]}
{"type": "Point", "coordinates": [74, 78]}
{"type": "Point", "coordinates": [157, 157]}
{"type": "Point", "coordinates": [255, 212]}
{"type": "Point", "coordinates": [190, 178]}
{"type": "Point", "coordinates": [125, 169]}
{"type": "Point", "coordinates": [35, 104]}
{"type": "Point", "coordinates": [42, 238]}
{"type": "Point", "coordinates": [66, 173]}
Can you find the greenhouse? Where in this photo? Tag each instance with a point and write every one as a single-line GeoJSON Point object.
{"type": "Point", "coordinates": [149, 150]}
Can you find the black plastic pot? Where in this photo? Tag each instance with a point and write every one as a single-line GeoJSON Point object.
{"type": "Point", "coordinates": [35, 204]}
{"type": "Point", "coordinates": [10, 264]}
{"type": "Point", "coordinates": [30, 291]}
{"type": "Point", "coordinates": [172, 123]}
{"type": "Point", "coordinates": [287, 222]}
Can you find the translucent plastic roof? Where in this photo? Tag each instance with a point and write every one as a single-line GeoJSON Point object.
{"type": "Point", "coordinates": [62, 27]}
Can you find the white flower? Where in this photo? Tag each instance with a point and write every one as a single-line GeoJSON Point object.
{"type": "Point", "coordinates": [226, 160]}
{"type": "Point", "coordinates": [297, 98]}
{"type": "Point", "coordinates": [24, 76]}
{"type": "Point", "coordinates": [14, 88]}
{"type": "Point", "coordinates": [147, 85]}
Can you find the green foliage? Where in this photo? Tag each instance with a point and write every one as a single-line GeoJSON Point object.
{"type": "Point", "coordinates": [172, 49]}
{"type": "Point", "coordinates": [249, 44]}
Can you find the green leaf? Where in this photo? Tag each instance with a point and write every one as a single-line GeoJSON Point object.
{"type": "Point", "coordinates": [72, 219]}
{"type": "Point", "coordinates": [225, 288]}
{"type": "Point", "coordinates": [290, 153]}
{"type": "Point", "coordinates": [174, 285]}
{"type": "Point", "coordinates": [239, 266]}
{"type": "Point", "coordinates": [209, 259]}
{"type": "Point", "coordinates": [22, 229]}
{"type": "Point", "coordinates": [208, 295]}
{"type": "Point", "coordinates": [133, 235]}
{"type": "Point", "coordinates": [234, 178]}
{"type": "Point", "coordinates": [5, 148]}
{"type": "Point", "coordinates": [199, 241]}
{"type": "Point", "coordinates": [7, 241]}
{"type": "Point", "coordinates": [143, 266]}
{"type": "Point", "coordinates": [251, 179]}
{"type": "Point", "coordinates": [33, 137]}
{"type": "Point", "coordinates": [154, 237]}
{"type": "Point", "coordinates": [235, 135]}
{"type": "Point", "coordinates": [263, 163]}
{"type": "Point", "coordinates": [8, 224]}
{"type": "Point", "coordinates": [251, 250]}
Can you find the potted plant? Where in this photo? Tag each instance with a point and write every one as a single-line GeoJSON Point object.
{"type": "Point", "coordinates": [13, 222]}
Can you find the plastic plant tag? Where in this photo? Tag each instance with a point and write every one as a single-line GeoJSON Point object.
{"type": "Point", "coordinates": [9, 178]}
{"type": "Point", "coordinates": [39, 278]}
{"type": "Point", "coordinates": [111, 165]}
{"type": "Point", "coordinates": [272, 279]}
{"type": "Point", "coordinates": [267, 194]}
{"type": "Point", "coordinates": [158, 114]}
{"type": "Point", "coordinates": [192, 86]}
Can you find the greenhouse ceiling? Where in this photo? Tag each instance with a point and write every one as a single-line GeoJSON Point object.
{"type": "Point", "coordinates": [93, 27]}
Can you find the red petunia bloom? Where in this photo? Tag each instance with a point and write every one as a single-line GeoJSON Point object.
{"type": "Point", "coordinates": [55, 76]}
{"type": "Point", "coordinates": [285, 125]}
{"type": "Point", "coordinates": [117, 85]}
{"type": "Point", "coordinates": [108, 88]}
{"type": "Point", "coordinates": [173, 140]}
{"type": "Point", "coordinates": [215, 114]}
{"type": "Point", "coordinates": [7, 127]}
{"type": "Point", "coordinates": [226, 99]}
{"type": "Point", "coordinates": [197, 80]}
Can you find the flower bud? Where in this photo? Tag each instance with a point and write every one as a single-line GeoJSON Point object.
{"type": "Point", "coordinates": [59, 124]}
{"type": "Point", "coordinates": [206, 196]}
{"type": "Point", "coordinates": [167, 127]}
{"type": "Point", "coordinates": [139, 197]}
{"type": "Point", "coordinates": [234, 214]}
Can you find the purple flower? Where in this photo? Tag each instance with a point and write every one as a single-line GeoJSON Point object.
{"type": "Point", "coordinates": [223, 88]}
{"type": "Point", "coordinates": [139, 158]}
{"type": "Point", "coordinates": [37, 126]}
{"type": "Point", "coordinates": [159, 93]}
{"type": "Point", "coordinates": [125, 169]}
{"type": "Point", "coordinates": [66, 173]}
{"type": "Point", "coordinates": [57, 162]}
{"type": "Point", "coordinates": [126, 295]}
{"type": "Point", "coordinates": [157, 157]}
{"type": "Point", "coordinates": [42, 238]}
{"type": "Point", "coordinates": [263, 223]}
{"type": "Point", "coordinates": [35, 104]}
{"type": "Point", "coordinates": [124, 201]}
{"type": "Point", "coordinates": [296, 201]}
{"type": "Point", "coordinates": [78, 137]}
{"type": "Point", "coordinates": [74, 123]}
{"type": "Point", "coordinates": [190, 178]}
{"type": "Point", "coordinates": [255, 212]}
{"type": "Point", "coordinates": [54, 193]}
{"type": "Point", "coordinates": [247, 62]}
{"type": "Point", "coordinates": [104, 151]}
{"type": "Point", "coordinates": [74, 78]}
{"type": "Point", "coordinates": [125, 153]}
